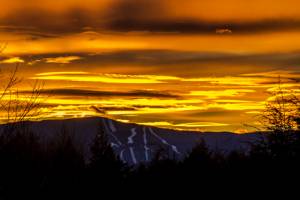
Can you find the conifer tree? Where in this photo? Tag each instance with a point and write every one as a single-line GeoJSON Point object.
{"type": "Point", "coordinates": [104, 164]}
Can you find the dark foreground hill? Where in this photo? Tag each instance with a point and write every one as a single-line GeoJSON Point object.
{"type": "Point", "coordinates": [134, 143]}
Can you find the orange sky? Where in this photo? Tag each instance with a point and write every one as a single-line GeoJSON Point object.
{"type": "Point", "coordinates": [200, 65]}
{"type": "Point", "coordinates": [210, 10]}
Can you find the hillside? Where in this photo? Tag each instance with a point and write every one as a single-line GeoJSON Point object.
{"type": "Point", "coordinates": [134, 143]}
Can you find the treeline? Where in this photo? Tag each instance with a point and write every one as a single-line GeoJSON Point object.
{"type": "Point", "coordinates": [30, 167]}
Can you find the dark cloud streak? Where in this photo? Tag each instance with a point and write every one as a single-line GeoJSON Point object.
{"type": "Point", "coordinates": [201, 27]}
{"type": "Point", "coordinates": [169, 57]}
{"type": "Point", "coordinates": [133, 15]}
{"type": "Point", "coordinates": [200, 63]}
{"type": "Point", "coordinates": [94, 93]}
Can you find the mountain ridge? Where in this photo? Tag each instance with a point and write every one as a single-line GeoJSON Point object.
{"type": "Point", "coordinates": [135, 143]}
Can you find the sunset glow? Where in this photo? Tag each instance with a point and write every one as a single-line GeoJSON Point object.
{"type": "Point", "coordinates": [197, 65]}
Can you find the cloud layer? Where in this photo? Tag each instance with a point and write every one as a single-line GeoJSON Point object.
{"type": "Point", "coordinates": [142, 15]}
{"type": "Point", "coordinates": [200, 65]}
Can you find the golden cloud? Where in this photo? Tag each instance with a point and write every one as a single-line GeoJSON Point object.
{"type": "Point", "coordinates": [62, 60]}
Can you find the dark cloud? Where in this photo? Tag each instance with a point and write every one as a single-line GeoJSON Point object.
{"type": "Point", "coordinates": [145, 15]}
{"type": "Point", "coordinates": [167, 62]}
{"type": "Point", "coordinates": [134, 10]}
{"type": "Point", "coordinates": [168, 57]}
{"type": "Point", "coordinates": [133, 15]}
{"type": "Point", "coordinates": [202, 27]}
{"type": "Point", "coordinates": [31, 33]}
{"type": "Point", "coordinates": [44, 23]}
{"type": "Point", "coordinates": [40, 21]}
{"type": "Point", "coordinates": [110, 108]}
{"type": "Point", "coordinates": [94, 93]}
{"type": "Point", "coordinates": [104, 109]}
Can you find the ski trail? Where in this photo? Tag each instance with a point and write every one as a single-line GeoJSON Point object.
{"type": "Point", "coordinates": [122, 156]}
{"type": "Point", "coordinates": [130, 138]}
{"type": "Point", "coordinates": [145, 145]}
{"type": "Point", "coordinates": [174, 148]}
{"type": "Point", "coordinates": [132, 155]}
{"type": "Point", "coordinates": [131, 142]}
{"type": "Point", "coordinates": [107, 130]}
{"type": "Point", "coordinates": [114, 145]}
{"type": "Point", "coordinates": [111, 126]}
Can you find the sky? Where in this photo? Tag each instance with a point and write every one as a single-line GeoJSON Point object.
{"type": "Point", "coordinates": [205, 65]}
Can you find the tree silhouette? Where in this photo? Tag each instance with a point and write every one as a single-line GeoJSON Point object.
{"type": "Point", "coordinates": [200, 154]}
{"type": "Point", "coordinates": [281, 120]}
{"type": "Point", "coordinates": [281, 112]}
{"type": "Point", "coordinates": [16, 108]}
{"type": "Point", "coordinates": [104, 165]}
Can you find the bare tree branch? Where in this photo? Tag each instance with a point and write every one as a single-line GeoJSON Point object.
{"type": "Point", "coordinates": [19, 108]}
{"type": "Point", "coordinates": [280, 114]}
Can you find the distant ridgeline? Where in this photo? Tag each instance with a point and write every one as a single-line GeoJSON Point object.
{"type": "Point", "coordinates": [136, 144]}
